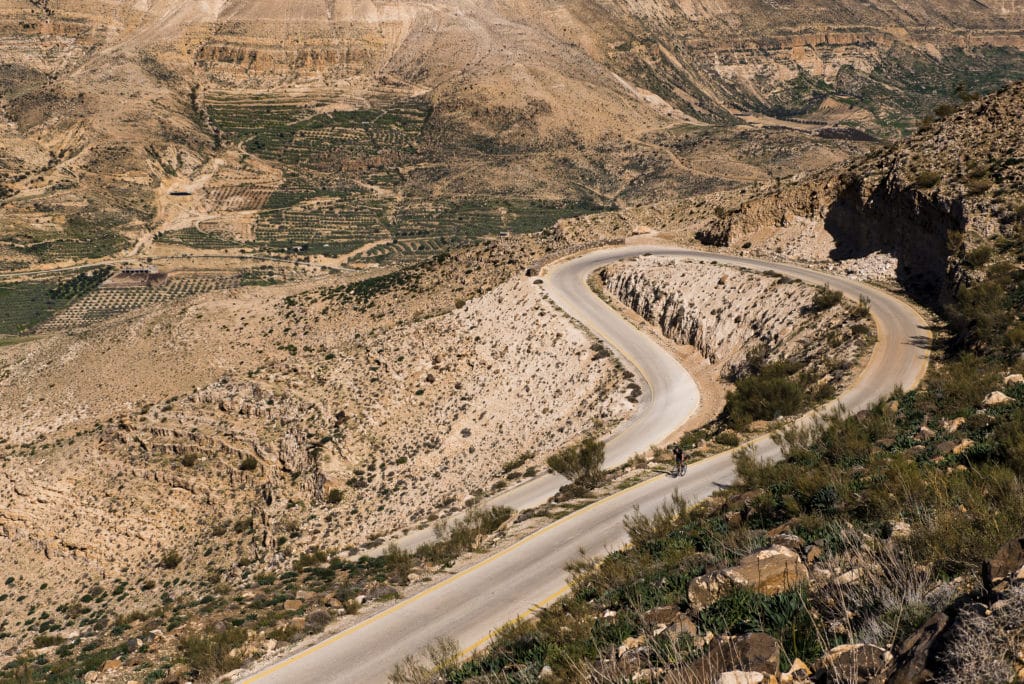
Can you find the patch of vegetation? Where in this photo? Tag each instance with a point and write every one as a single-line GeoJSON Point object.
{"type": "Point", "coordinates": [844, 484]}
{"type": "Point", "coordinates": [767, 391]}
{"type": "Point", "coordinates": [581, 464]}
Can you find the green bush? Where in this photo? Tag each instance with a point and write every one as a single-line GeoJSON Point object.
{"type": "Point", "coordinates": [208, 652]}
{"type": "Point", "coordinates": [581, 463]}
{"type": "Point", "coordinates": [927, 179]}
{"type": "Point", "coordinates": [770, 392]}
{"type": "Point", "coordinates": [728, 438]}
{"type": "Point", "coordinates": [248, 463]}
{"type": "Point", "coordinates": [825, 298]}
{"type": "Point", "coordinates": [785, 616]}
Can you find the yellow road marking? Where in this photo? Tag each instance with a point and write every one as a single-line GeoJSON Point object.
{"type": "Point", "coordinates": [547, 528]}
{"type": "Point", "coordinates": [427, 592]}
{"type": "Point", "coordinates": [540, 605]}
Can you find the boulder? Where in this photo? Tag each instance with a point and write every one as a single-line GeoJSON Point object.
{"type": "Point", "coordinates": [741, 677]}
{"type": "Point", "coordinates": [1006, 563]}
{"type": "Point", "coordinates": [755, 652]}
{"type": "Point", "coordinates": [854, 663]}
{"type": "Point", "coordinates": [303, 595]}
{"type": "Point", "coordinates": [1013, 379]}
{"type": "Point", "coordinates": [996, 398]}
{"type": "Point", "coordinates": [769, 571]}
{"type": "Point", "coordinates": [292, 604]}
{"type": "Point", "coordinates": [915, 654]}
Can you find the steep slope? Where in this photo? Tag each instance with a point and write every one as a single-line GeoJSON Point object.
{"type": "Point", "coordinates": [940, 203]}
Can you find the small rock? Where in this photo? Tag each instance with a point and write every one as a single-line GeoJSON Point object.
{"type": "Point", "coordinates": [630, 644]}
{"type": "Point", "coordinates": [963, 446]}
{"type": "Point", "coordinates": [303, 595]}
{"type": "Point", "coordinates": [91, 677]}
{"type": "Point", "coordinates": [662, 615]}
{"type": "Point", "coordinates": [952, 426]}
{"type": "Point", "coordinates": [269, 645]}
{"type": "Point", "coordinates": [925, 433]}
{"type": "Point", "coordinates": [546, 674]}
{"type": "Point", "coordinates": [767, 572]}
{"type": "Point", "coordinates": [412, 578]}
{"type": "Point", "coordinates": [848, 577]}
{"type": "Point", "coordinates": [741, 677]}
{"type": "Point", "coordinates": [609, 613]}
{"type": "Point", "coordinates": [292, 604]}
{"type": "Point", "coordinates": [790, 541]}
{"type": "Point", "coordinates": [812, 553]}
{"type": "Point", "coordinates": [1013, 379]}
{"type": "Point", "coordinates": [334, 603]}
{"type": "Point", "coordinates": [648, 675]}
{"type": "Point", "coordinates": [360, 600]}
{"type": "Point", "coordinates": [854, 663]}
{"type": "Point", "coordinates": [799, 671]}
{"type": "Point", "coordinates": [111, 665]}
{"type": "Point", "coordinates": [996, 398]}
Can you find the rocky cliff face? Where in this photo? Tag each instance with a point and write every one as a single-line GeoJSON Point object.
{"type": "Point", "coordinates": [726, 313]}
{"type": "Point", "coordinates": [930, 201]}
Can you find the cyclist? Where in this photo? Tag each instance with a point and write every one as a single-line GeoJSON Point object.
{"type": "Point", "coordinates": [677, 451]}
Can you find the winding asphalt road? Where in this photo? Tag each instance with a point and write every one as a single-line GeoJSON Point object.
{"type": "Point", "coordinates": [530, 573]}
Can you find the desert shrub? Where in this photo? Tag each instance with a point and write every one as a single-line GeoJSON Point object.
{"type": "Point", "coordinates": [208, 651]}
{"type": "Point", "coordinates": [983, 648]}
{"type": "Point", "coordinates": [786, 616]}
{"type": "Point", "coordinates": [248, 463]}
{"type": "Point", "coordinates": [979, 256]}
{"type": "Point", "coordinates": [825, 298]}
{"type": "Point", "coordinates": [188, 460]}
{"type": "Point", "coordinates": [45, 640]}
{"type": "Point", "coordinates": [927, 179]}
{"type": "Point", "coordinates": [422, 668]}
{"type": "Point", "coordinates": [769, 392]}
{"type": "Point", "coordinates": [335, 496]}
{"type": "Point", "coordinates": [977, 186]}
{"type": "Point", "coordinates": [170, 560]}
{"type": "Point", "coordinates": [461, 536]}
{"type": "Point", "coordinates": [317, 621]}
{"type": "Point", "coordinates": [581, 463]}
{"type": "Point", "coordinates": [1009, 439]}
{"type": "Point", "coordinates": [728, 438]}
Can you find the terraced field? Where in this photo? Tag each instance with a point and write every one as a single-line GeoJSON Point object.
{"type": "Point", "coordinates": [343, 185]}
{"type": "Point", "coordinates": [111, 300]}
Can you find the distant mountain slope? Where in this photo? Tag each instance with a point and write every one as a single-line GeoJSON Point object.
{"type": "Point", "coordinates": [105, 103]}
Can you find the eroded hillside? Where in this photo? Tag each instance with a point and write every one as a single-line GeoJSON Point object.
{"type": "Point", "coordinates": [328, 126]}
